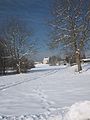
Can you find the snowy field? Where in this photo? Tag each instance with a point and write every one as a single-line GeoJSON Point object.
{"type": "Point", "coordinates": [46, 93]}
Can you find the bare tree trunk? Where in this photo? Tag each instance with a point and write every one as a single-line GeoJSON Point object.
{"type": "Point", "coordinates": [18, 67]}
{"type": "Point", "coordinates": [78, 61]}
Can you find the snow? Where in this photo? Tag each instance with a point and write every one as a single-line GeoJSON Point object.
{"type": "Point", "coordinates": [86, 60]}
{"type": "Point", "coordinates": [79, 111]}
{"type": "Point", "coordinates": [46, 93]}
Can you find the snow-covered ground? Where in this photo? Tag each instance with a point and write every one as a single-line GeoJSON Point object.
{"type": "Point", "coordinates": [46, 93]}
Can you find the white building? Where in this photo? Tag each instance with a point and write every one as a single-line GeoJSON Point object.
{"type": "Point", "coordinates": [46, 60]}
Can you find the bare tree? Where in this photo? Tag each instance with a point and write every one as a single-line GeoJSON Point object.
{"type": "Point", "coordinates": [70, 25]}
{"type": "Point", "coordinates": [4, 53]}
{"type": "Point", "coordinates": [18, 38]}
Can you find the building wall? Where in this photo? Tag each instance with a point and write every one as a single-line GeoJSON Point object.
{"type": "Point", "coordinates": [46, 60]}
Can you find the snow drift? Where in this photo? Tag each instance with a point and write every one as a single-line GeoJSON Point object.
{"type": "Point", "coordinates": [78, 111]}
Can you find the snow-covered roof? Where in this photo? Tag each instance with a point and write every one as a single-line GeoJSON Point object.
{"type": "Point", "coordinates": [87, 59]}
{"type": "Point", "coordinates": [46, 58]}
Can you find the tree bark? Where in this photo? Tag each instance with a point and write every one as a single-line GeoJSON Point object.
{"type": "Point", "coordinates": [18, 68]}
{"type": "Point", "coordinates": [78, 61]}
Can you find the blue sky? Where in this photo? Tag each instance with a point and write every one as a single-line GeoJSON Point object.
{"type": "Point", "coordinates": [35, 13]}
